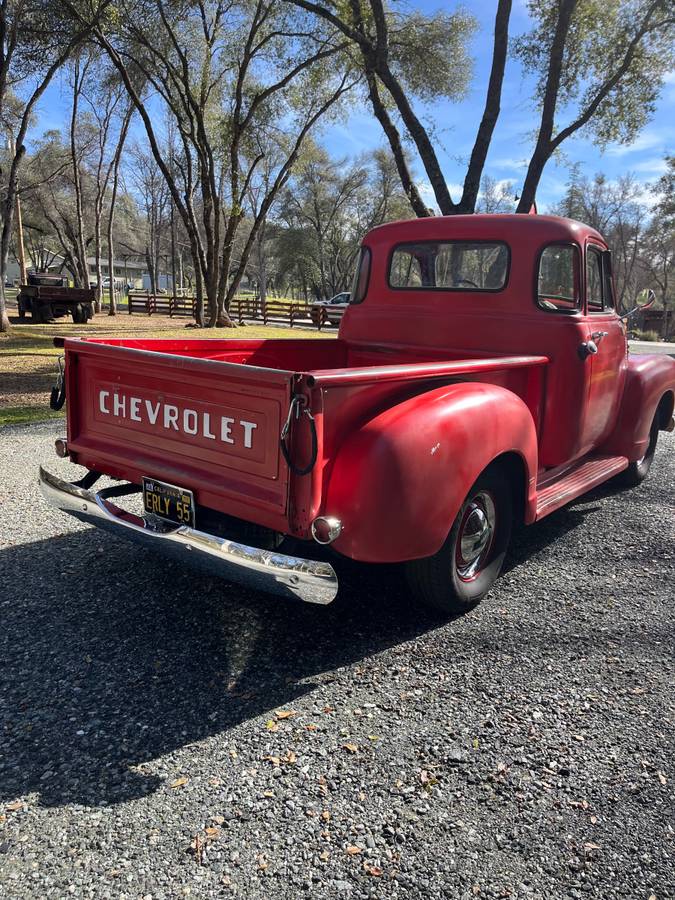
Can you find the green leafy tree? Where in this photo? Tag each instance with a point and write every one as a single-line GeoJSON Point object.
{"type": "Point", "coordinates": [224, 73]}
{"type": "Point", "coordinates": [600, 68]}
{"type": "Point", "coordinates": [328, 208]}
{"type": "Point", "coordinates": [51, 207]}
{"type": "Point", "coordinates": [659, 246]}
{"type": "Point", "coordinates": [409, 57]}
{"type": "Point", "coordinates": [664, 189]}
{"type": "Point", "coordinates": [36, 39]}
{"type": "Point", "coordinates": [616, 210]}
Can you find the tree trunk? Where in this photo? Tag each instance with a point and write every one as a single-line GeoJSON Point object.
{"type": "Point", "coordinates": [80, 240]}
{"type": "Point", "coordinates": [126, 121]}
{"type": "Point", "coordinates": [262, 287]}
{"type": "Point", "coordinates": [543, 147]}
{"type": "Point", "coordinates": [4, 253]}
{"type": "Point", "coordinates": [112, 310]}
{"type": "Point", "coordinates": [491, 111]}
{"type": "Point", "coordinates": [149, 259]}
{"type": "Point", "coordinates": [174, 286]}
{"type": "Point", "coordinates": [98, 302]}
{"type": "Point", "coordinates": [418, 205]}
{"type": "Point", "coordinates": [6, 234]}
{"type": "Point", "coordinates": [4, 318]}
{"type": "Point", "coordinates": [199, 295]}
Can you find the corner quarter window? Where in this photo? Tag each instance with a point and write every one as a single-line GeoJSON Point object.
{"type": "Point", "coordinates": [595, 281]}
{"type": "Point", "coordinates": [361, 278]}
{"type": "Point", "coordinates": [558, 278]}
{"type": "Point", "coordinates": [609, 284]}
{"type": "Point", "coordinates": [469, 266]}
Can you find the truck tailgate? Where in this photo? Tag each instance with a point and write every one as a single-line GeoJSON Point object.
{"type": "Point", "coordinates": [209, 426]}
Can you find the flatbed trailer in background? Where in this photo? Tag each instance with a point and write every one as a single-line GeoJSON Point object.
{"type": "Point", "coordinates": [49, 297]}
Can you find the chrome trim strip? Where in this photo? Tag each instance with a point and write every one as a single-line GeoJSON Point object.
{"type": "Point", "coordinates": [287, 576]}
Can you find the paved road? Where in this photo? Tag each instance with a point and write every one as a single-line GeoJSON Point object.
{"type": "Point", "coordinates": [666, 348]}
{"type": "Point", "coordinates": [165, 735]}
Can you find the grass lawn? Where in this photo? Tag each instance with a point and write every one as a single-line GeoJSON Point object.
{"type": "Point", "coordinates": [28, 357]}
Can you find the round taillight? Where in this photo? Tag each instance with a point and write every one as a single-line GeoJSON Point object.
{"type": "Point", "coordinates": [325, 529]}
{"type": "Point", "coordinates": [61, 447]}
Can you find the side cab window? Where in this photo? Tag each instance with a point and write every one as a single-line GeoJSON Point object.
{"type": "Point", "coordinates": [599, 286]}
{"type": "Point", "coordinates": [558, 278]}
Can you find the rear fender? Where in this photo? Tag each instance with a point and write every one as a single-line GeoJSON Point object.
{"type": "Point", "coordinates": [649, 379]}
{"type": "Point", "coordinates": [398, 482]}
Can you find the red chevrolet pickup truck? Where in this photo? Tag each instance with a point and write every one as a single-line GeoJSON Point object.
{"type": "Point", "coordinates": [481, 378]}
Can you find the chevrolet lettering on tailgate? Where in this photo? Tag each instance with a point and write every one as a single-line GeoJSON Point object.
{"type": "Point", "coordinates": [169, 416]}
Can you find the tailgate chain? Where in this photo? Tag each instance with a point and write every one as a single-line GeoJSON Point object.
{"type": "Point", "coordinates": [299, 404]}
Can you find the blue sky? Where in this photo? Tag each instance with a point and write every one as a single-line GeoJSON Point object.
{"type": "Point", "coordinates": [455, 124]}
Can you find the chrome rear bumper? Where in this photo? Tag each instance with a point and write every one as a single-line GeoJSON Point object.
{"type": "Point", "coordinates": [288, 576]}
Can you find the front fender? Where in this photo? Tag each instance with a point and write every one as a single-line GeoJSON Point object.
{"type": "Point", "coordinates": [399, 480]}
{"type": "Point", "coordinates": [648, 378]}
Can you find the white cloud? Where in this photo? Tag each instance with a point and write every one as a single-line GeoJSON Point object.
{"type": "Point", "coordinates": [654, 166]}
{"type": "Point", "coordinates": [509, 162]}
{"type": "Point", "coordinates": [427, 192]}
{"type": "Point", "coordinates": [648, 140]}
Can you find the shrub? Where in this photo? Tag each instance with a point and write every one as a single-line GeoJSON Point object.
{"type": "Point", "coordinates": [648, 336]}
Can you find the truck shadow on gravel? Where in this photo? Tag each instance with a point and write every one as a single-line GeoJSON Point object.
{"type": "Point", "coordinates": [112, 657]}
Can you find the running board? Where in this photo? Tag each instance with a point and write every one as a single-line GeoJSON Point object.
{"type": "Point", "coordinates": [582, 477]}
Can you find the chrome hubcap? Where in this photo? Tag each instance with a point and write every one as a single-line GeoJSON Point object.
{"type": "Point", "coordinates": [476, 533]}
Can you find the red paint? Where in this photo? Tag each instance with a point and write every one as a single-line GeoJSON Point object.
{"type": "Point", "coordinates": [422, 390]}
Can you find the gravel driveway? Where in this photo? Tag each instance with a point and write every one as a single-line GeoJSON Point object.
{"type": "Point", "coordinates": [165, 735]}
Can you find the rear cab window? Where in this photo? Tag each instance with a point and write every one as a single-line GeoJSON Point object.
{"type": "Point", "coordinates": [558, 278]}
{"type": "Point", "coordinates": [478, 266]}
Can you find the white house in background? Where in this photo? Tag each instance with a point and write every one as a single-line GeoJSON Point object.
{"type": "Point", "coordinates": [164, 282]}
{"type": "Point", "coordinates": [128, 270]}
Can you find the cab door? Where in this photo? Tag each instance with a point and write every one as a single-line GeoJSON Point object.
{"type": "Point", "coordinates": [607, 367]}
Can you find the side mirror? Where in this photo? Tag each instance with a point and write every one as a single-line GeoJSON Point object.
{"type": "Point", "coordinates": [650, 298]}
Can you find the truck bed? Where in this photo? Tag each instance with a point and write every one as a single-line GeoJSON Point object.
{"type": "Point", "coordinates": [207, 414]}
{"type": "Point", "coordinates": [57, 294]}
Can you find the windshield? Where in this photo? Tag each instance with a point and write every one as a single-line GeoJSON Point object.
{"type": "Point", "coordinates": [450, 265]}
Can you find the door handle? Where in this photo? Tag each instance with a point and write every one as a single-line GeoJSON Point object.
{"type": "Point", "coordinates": [597, 336]}
{"type": "Point", "coordinates": [587, 348]}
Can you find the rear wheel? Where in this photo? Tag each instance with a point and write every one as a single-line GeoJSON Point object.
{"type": "Point", "coordinates": [637, 471]}
{"type": "Point", "coordinates": [78, 314]}
{"type": "Point", "coordinates": [460, 574]}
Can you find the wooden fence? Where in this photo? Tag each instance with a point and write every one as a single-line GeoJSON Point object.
{"type": "Point", "coordinates": [161, 304]}
{"type": "Point", "coordinates": [244, 307]}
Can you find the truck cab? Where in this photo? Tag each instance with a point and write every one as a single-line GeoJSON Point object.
{"type": "Point", "coordinates": [539, 285]}
{"type": "Point", "coordinates": [481, 377]}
